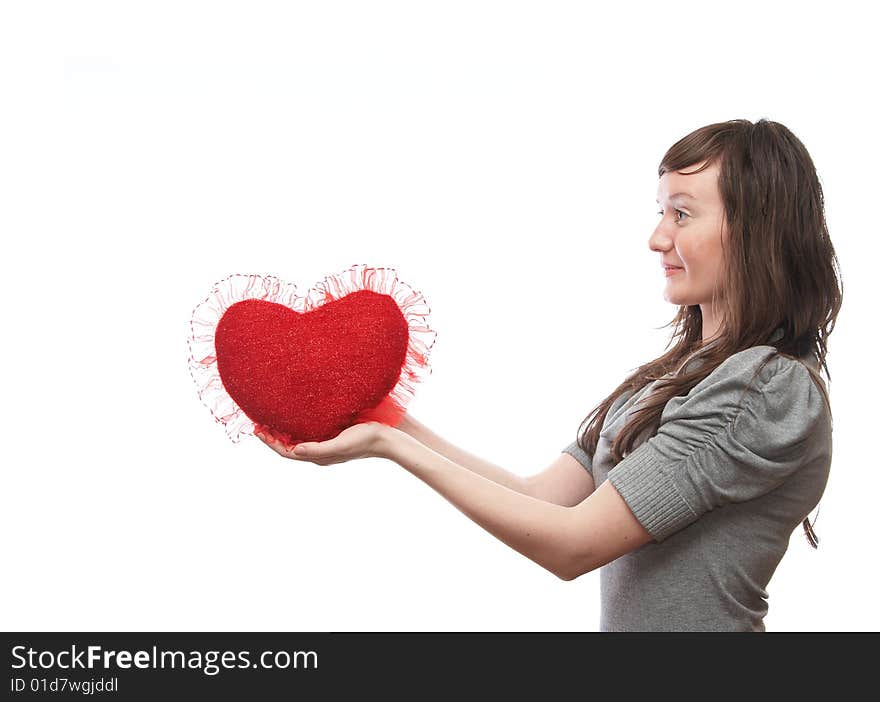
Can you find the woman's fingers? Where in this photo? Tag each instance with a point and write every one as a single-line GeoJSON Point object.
{"type": "Point", "coordinates": [277, 446]}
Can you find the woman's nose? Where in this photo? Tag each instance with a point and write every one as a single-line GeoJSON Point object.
{"type": "Point", "coordinates": [660, 240]}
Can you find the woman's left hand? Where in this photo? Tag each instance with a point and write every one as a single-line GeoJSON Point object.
{"type": "Point", "coordinates": [365, 440]}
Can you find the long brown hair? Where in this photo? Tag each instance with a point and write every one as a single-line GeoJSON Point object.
{"type": "Point", "coordinates": [780, 271]}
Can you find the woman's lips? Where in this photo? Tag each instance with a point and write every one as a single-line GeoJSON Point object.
{"type": "Point", "coordinates": [671, 271]}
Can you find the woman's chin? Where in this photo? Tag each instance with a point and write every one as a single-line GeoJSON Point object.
{"type": "Point", "coordinates": [679, 300]}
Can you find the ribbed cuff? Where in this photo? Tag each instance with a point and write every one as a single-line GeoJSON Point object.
{"type": "Point", "coordinates": [649, 491]}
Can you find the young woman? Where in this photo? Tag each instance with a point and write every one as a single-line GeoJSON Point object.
{"type": "Point", "coordinates": [686, 482]}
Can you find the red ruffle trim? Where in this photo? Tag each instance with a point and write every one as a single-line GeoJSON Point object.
{"type": "Point", "coordinates": [206, 315]}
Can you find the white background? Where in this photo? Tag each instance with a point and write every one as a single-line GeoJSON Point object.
{"type": "Point", "coordinates": [502, 157]}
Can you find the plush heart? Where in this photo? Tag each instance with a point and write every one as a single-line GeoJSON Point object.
{"type": "Point", "coordinates": [310, 375]}
{"type": "Point", "coordinates": [304, 369]}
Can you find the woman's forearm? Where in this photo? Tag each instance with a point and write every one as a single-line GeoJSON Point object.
{"type": "Point", "coordinates": [497, 474]}
{"type": "Point", "coordinates": [539, 530]}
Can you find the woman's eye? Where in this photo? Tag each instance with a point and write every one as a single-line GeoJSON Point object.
{"type": "Point", "coordinates": [660, 212]}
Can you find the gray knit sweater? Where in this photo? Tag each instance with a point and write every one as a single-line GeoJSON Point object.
{"type": "Point", "coordinates": [736, 465]}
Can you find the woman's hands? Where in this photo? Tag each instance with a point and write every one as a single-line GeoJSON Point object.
{"type": "Point", "coordinates": [366, 440]}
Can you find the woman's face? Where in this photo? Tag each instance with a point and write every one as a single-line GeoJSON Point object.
{"type": "Point", "coordinates": [689, 236]}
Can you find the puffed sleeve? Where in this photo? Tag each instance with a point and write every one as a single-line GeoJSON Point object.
{"type": "Point", "coordinates": [737, 435]}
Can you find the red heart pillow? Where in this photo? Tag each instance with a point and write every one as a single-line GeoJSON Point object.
{"type": "Point", "coordinates": [305, 368]}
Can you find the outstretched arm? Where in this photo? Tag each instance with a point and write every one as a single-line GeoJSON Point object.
{"type": "Point", "coordinates": [564, 482]}
{"type": "Point", "coordinates": [567, 541]}
{"type": "Point", "coordinates": [414, 428]}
